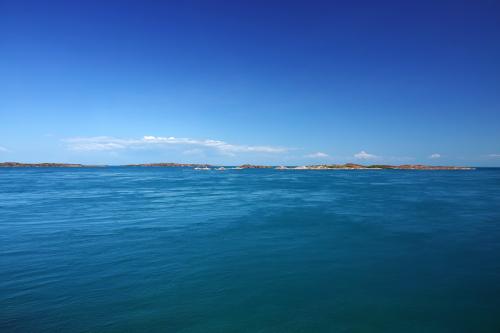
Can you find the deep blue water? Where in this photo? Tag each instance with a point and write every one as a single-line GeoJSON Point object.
{"type": "Point", "coordinates": [178, 250]}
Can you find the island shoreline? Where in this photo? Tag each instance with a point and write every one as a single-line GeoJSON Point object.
{"type": "Point", "coordinates": [204, 166]}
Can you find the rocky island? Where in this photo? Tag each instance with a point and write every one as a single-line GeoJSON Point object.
{"type": "Point", "coordinates": [352, 166]}
{"type": "Point", "coordinates": [251, 166]}
{"type": "Point", "coordinates": [41, 165]}
{"type": "Point", "coordinates": [347, 166]}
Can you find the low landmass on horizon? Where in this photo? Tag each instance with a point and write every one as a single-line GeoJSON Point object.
{"type": "Point", "coordinates": [347, 166]}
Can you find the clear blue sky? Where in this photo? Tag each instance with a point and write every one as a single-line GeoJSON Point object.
{"type": "Point", "coordinates": [277, 82]}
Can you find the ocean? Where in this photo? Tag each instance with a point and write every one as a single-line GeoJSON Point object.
{"type": "Point", "coordinates": [138, 249]}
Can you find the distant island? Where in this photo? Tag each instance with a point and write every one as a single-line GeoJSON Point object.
{"type": "Point", "coordinates": [171, 165]}
{"type": "Point", "coordinates": [352, 166]}
{"type": "Point", "coordinates": [251, 166]}
{"type": "Point", "coordinates": [347, 166]}
{"type": "Point", "coordinates": [42, 165]}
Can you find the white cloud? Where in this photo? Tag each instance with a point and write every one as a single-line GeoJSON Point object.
{"type": "Point", "coordinates": [105, 143]}
{"type": "Point", "coordinates": [435, 155]}
{"type": "Point", "coordinates": [317, 155]}
{"type": "Point", "coordinates": [494, 155]}
{"type": "Point", "coordinates": [195, 151]}
{"type": "Point", "coordinates": [363, 155]}
{"type": "Point", "coordinates": [3, 149]}
{"type": "Point", "coordinates": [99, 143]}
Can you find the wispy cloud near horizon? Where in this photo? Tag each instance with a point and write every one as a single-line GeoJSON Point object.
{"type": "Point", "coordinates": [317, 155]}
{"type": "Point", "coordinates": [363, 155]}
{"type": "Point", "coordinates": [106, 143]}
{"type": "Point", "coordinates": [3, 149]}
{"type": "Point", "coordinates": [435, 155]}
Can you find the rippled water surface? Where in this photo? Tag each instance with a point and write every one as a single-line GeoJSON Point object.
{"type": "Point", "coordinates": [179, 250]}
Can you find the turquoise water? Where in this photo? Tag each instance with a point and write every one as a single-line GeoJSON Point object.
{"type": "Point", "coordinates": [177, 250]}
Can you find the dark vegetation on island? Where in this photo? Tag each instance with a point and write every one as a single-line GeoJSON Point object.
{"type": "Point", "coordinates": [251, 166]}
{"type": "Point", "coordinates": [347, 166]}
